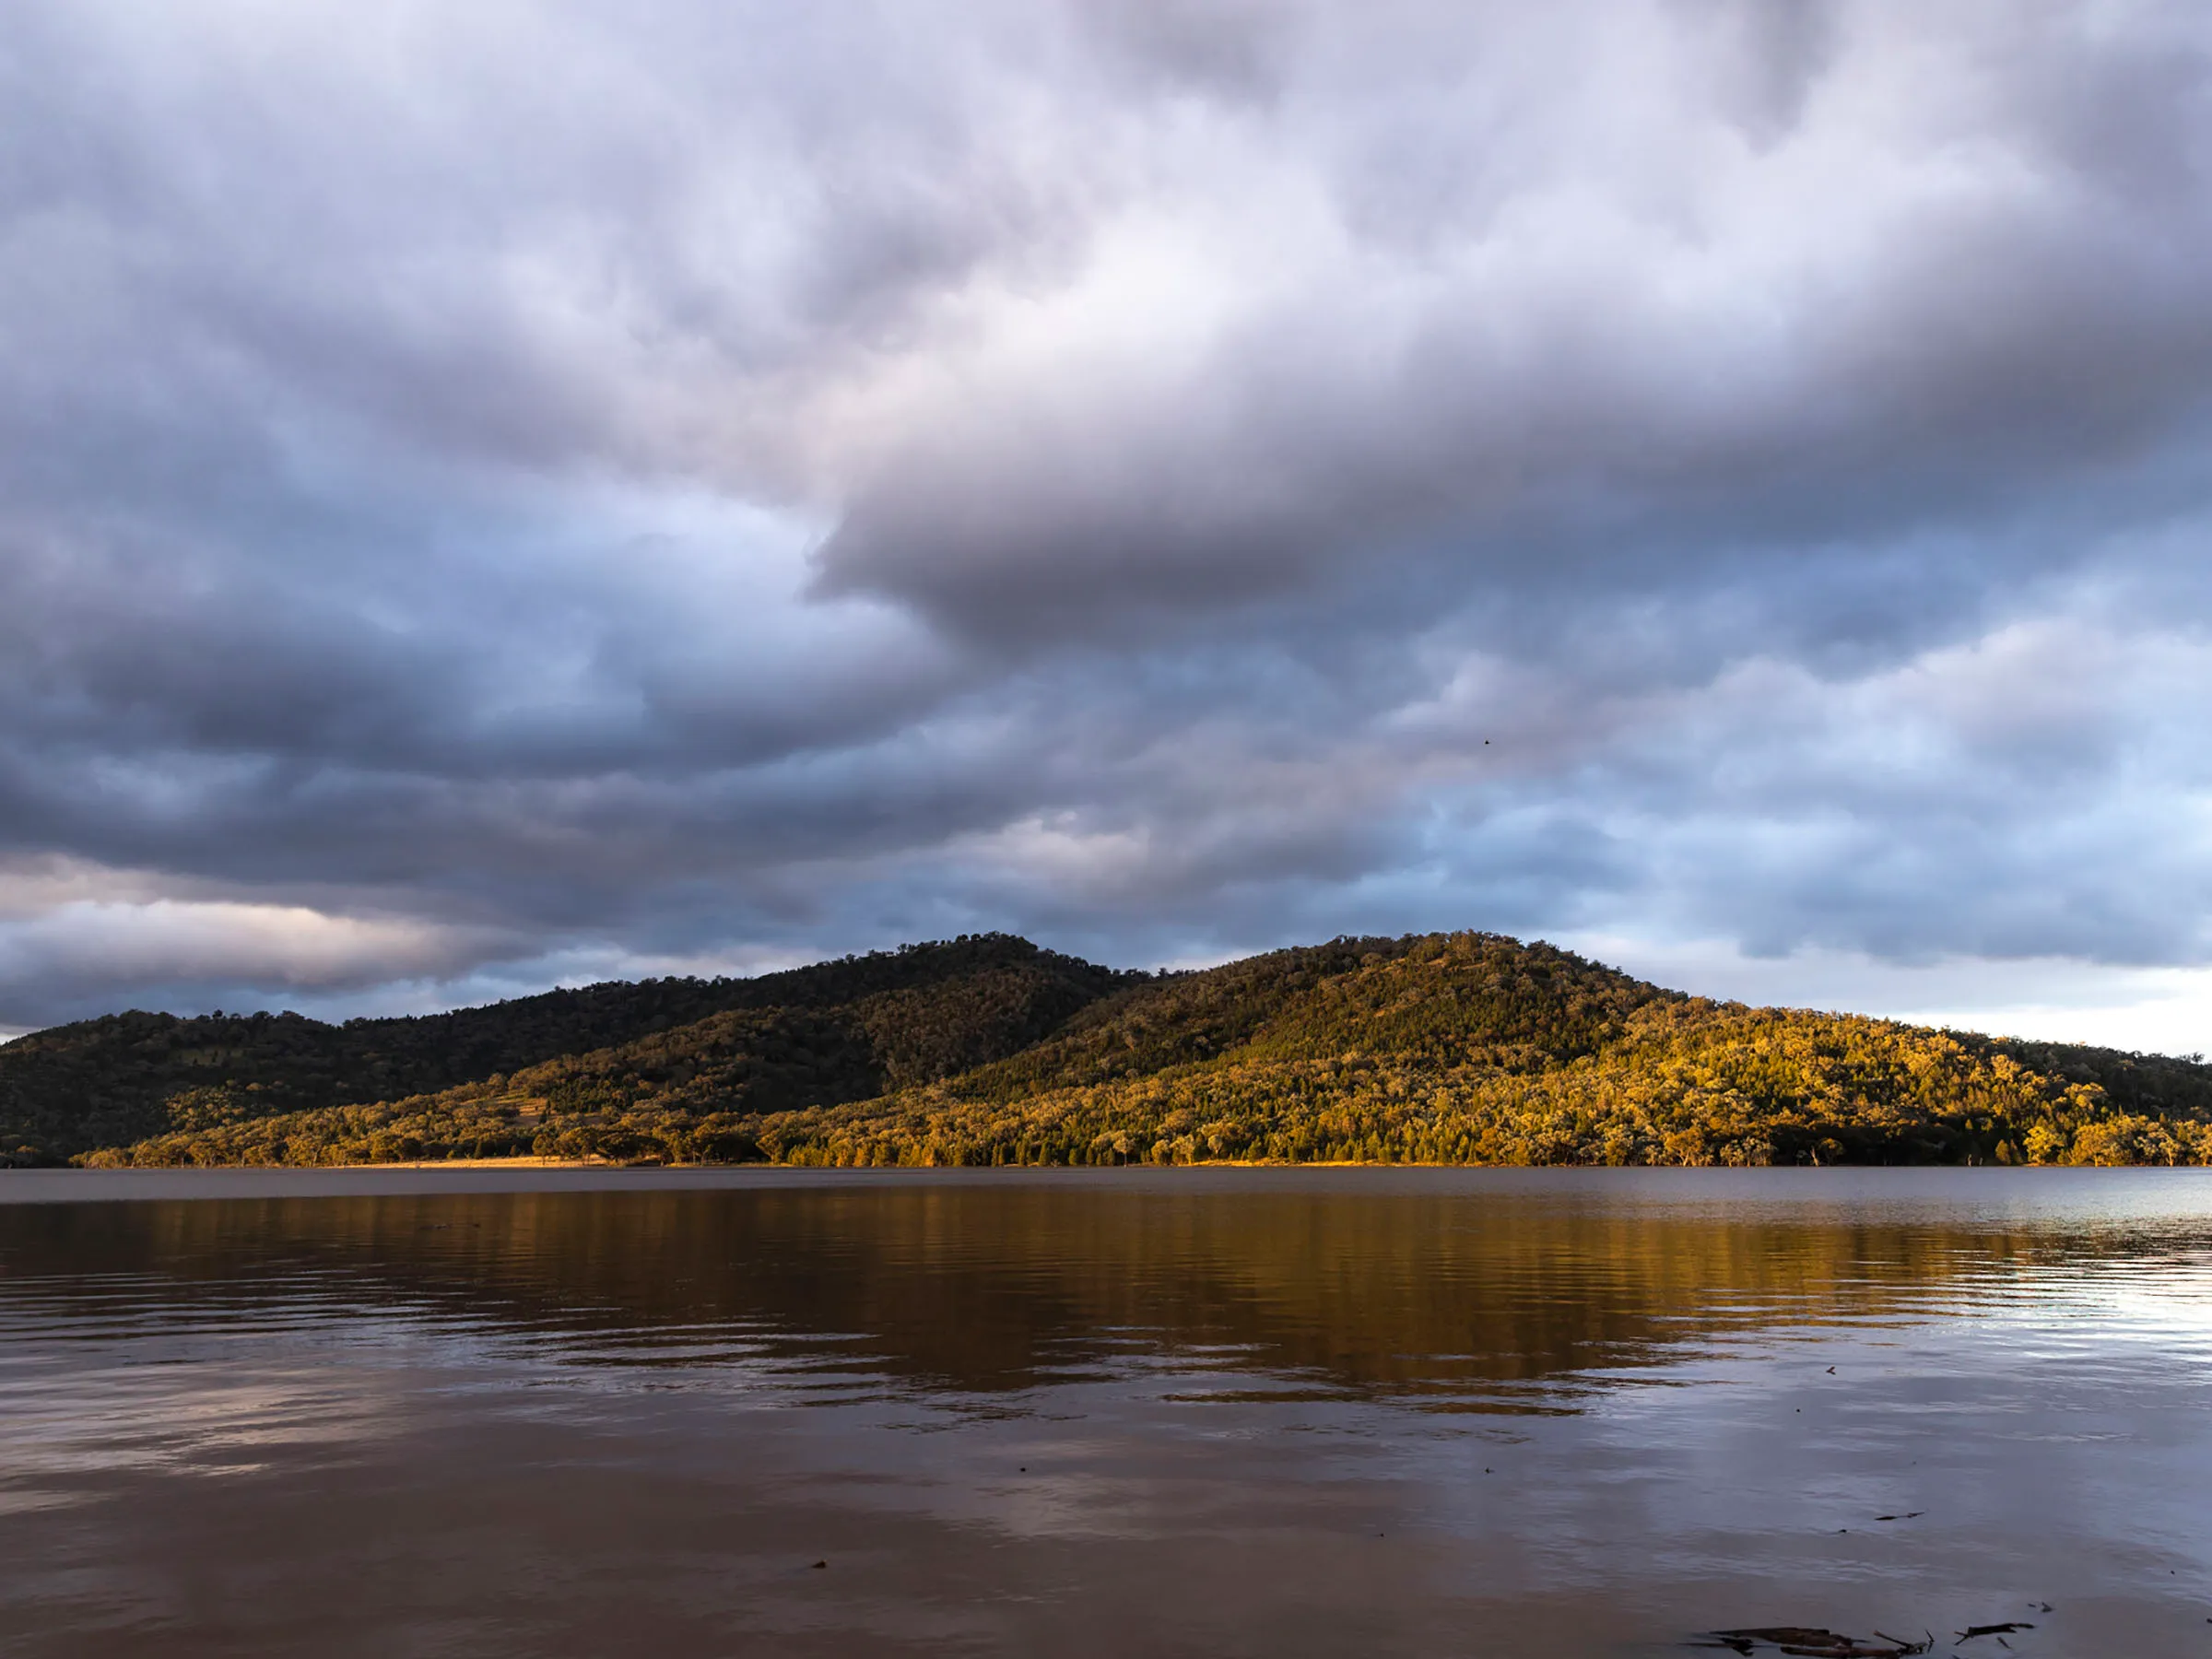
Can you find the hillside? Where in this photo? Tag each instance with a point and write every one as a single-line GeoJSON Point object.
{"type": "Point", "coordinates": [1465, 1048]}
{"type": "Point", "coordinates": [838, 1031]}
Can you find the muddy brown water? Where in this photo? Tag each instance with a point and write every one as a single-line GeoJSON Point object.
{"type": "Point", "coordinates": [1209, 1412]}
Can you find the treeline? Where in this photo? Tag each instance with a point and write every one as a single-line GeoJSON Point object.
{"type": "Point", "coordinates": [1466, 1048]}
{"type": "Point", "coordinates": [838, 1031]}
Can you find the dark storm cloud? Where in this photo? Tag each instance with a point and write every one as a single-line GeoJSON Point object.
{"type": "Point", "coordinates": [541, 491]}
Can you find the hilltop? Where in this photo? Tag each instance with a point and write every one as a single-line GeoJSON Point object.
{"type": "Point", "coordinates": [1460, 1048]}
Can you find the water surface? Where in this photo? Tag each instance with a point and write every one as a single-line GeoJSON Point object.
{"type": "Point", "coordinates": [1223, 1412]}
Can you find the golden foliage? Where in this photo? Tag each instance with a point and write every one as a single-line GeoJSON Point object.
{"type": "Point", "coordinates": [1467, 1049]}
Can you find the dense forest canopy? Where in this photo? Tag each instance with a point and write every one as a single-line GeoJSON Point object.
{"type": "Point", "coordinates": [1460, 1048]}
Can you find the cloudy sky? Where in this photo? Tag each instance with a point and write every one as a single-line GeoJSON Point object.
{"type": "Point", "coordinates": [512, 494]}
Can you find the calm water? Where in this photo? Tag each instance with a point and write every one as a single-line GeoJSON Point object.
{"type": "Point", "coordinates": [1277, 1413]}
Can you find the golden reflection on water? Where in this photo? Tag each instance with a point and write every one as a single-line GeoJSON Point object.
{"type": "Point", "coordinates": [1002, 1286]}
{"type": "Point", "coordinates": [1583, 1403]}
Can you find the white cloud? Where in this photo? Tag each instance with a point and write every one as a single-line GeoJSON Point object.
{"type": "Point", "coordinates": [272, 947]}
{"type": "Point", "coordinates": [2161, 1010]}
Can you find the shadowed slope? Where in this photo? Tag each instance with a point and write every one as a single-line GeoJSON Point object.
{"type": "Point", "coordinates": [837, 1031]}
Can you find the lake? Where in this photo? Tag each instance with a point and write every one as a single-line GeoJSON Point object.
{"type": "Point", "coordinates": [1267, 1412]}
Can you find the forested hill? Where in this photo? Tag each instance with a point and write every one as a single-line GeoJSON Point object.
{"type": "Point", "coordinates": [838, 1031]}
{"type": "Point", "coordinates": [1466, 1048]}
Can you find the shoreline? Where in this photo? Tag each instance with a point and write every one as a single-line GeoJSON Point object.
{"type": "Point", "coordinates": [620, 1166]}
{"type": "Point", "coordinates": [1846, 1187]}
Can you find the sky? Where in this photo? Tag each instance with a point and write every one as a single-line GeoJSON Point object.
{"type": "Point", "coordinates": [507, 495]}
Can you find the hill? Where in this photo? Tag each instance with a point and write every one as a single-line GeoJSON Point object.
{"type": "Point", "coordinates": [839, 1031]}
{"type": "Point", "coordinates": [1463, 1048]}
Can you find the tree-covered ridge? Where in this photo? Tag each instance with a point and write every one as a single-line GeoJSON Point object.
{"type": "Point", "coordinates": [1466, 1048]}
{"type": "Point", "coordinates": [916, 1013]}
{"type": "Point", "coordinates": [1436, 997]}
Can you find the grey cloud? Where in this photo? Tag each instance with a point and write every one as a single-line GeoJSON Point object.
{"type": "Point", "coordinates": [550, 492]}
{"type": "Point", "coordinates": [1782, 51]}
{"type": "Point", "coordinates": [2017, 317]}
